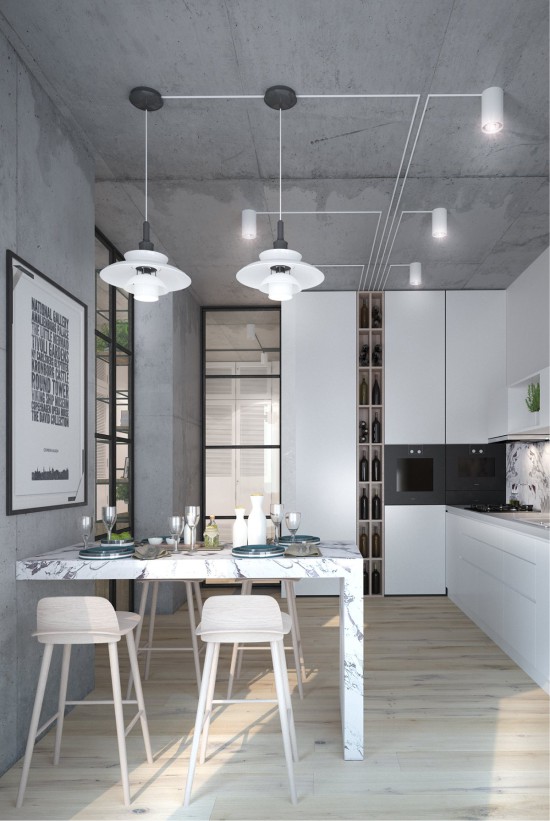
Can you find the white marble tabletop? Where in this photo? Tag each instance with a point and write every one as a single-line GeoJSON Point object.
{"type": "Point", "coordinates": [337, 560]}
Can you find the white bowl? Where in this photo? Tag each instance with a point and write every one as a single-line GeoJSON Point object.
{"type": "Point", "coordinates": [155, 540]}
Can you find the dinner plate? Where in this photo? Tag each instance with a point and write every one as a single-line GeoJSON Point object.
{"type": "Point", "coordinates": [106, 556]}
{"type": "Point", "coordinates": [117, 543]}
{"type": "Point", "coordinates": [128, 548]}
{"type": "Point", "coordinates": [258, 551]}
{"type": "Point", "coordinates": [299, 539]}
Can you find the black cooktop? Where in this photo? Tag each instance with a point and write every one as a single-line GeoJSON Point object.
{"type": "Point", "coordinates": [498, 508]}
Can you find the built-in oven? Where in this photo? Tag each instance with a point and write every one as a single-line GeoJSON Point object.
{"type": "Point", "coordinates": [475, 474]}
{"type": "Point", "coordinates": [414, 474]}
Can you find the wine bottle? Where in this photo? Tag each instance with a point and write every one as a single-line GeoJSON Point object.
{"type": "Point", "coordinates": [366, 579]}
{"type": "Point", "coordinates": [364, 316]}
{"type": "Point", "coordinates": [363, 544]}
{"type": "Point", "coordinates": [376, 393]}
{"type": "Point", "coordinates": [375, 581]}
{"type": "Point", "coordinates": [376, 468]}
{"type": "Point", "coordinates": [376, 317]}
{"type": "Point", "coordinates": [363, 432]}
{"type": "Point", "coordinates": [364, 505]}
{"type": "Point", "coordinates": [363, 393]}
{"type": "Point", "coordinates": [364, 469]}
{"type": "Point", "coordinates": [376, 430]}
{"type": "Point", "coordinates": [376, 548]}
{"type": "Point", "coordinates": [376, 506]}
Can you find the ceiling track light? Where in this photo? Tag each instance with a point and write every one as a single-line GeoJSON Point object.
{"type": "Point", "coordinates": [415, 274]}
{"type": "Point", "coordinates": [492, 110]}
{"type": "Point", "coordinates": [439, 223]}
{"type": "Point", "coordinates": [145, 273]}
{"type": "Point", "coordinates": [248, 224]}
{"type": "Point", "coordinates": [280, 273]}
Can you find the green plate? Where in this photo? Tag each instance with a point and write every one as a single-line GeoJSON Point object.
{"type": "Point", "coordinates": [299, 539]}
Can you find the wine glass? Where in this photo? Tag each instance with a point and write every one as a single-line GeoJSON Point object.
{"type": "Point", "coordinates": [175, 525]}
{"type": "Point", "coordinates": [86, 524]}
{"type": "Point", "coordinates": [293, 523]}
{"type": "Point", "coordinates": [108, 514]}
{"type": "Point", "coordinates": [192, 516]}
{"type": "Point", "coordinates": [277, 512]}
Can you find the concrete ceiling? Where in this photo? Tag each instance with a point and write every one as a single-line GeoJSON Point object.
{"type": "Point", "coordinates": [209, 159]}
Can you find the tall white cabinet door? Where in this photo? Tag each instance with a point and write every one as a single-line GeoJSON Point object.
{"type": "Point", "coordinates": [414, 550]}
{"type": "Point", "coordinates": [476, 366]}
{"type": "Point", "coordinates": [415, 367]}
{"type": "Point", "coordinates": [318, 424]}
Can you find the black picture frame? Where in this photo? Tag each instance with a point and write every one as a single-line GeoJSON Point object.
{"type": "Point", "coordinates": [47, 423]}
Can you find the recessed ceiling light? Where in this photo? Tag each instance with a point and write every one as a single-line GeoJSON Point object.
{"type": "Point", "coordinates": [492, 110]}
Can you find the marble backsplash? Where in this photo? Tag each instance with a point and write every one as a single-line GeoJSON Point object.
{"type": "Point", "coordinates": [528, 467]}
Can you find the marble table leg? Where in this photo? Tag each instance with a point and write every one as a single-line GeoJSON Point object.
{"type": "Point", "coordinates": [351, 663]}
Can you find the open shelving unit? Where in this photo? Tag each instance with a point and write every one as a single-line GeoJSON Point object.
{"type": "Point", "coordinates": [366, 412]}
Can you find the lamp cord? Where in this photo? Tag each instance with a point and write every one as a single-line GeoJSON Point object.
{"type": "Point", "coordinates": [280, 162]}
{"type": "Point", "coordinates": [146, 112]}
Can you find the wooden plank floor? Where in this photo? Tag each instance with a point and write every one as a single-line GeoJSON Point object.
{"type": "Point", "coordinates": [453, 728]}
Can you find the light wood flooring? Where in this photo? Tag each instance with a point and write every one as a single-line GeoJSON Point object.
{"type": "Point", "coordinates": [453, 729]}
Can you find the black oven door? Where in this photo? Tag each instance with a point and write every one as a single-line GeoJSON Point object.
{"type": "Point", "coordinates": [476, 468]}
{"type": "Point", "coordinates": [414, 474]}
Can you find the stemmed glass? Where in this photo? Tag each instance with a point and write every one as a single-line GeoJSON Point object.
{"type": "Point", "coordinates": [293, 523]}
{"type": "Point", "coordinates": [192, 516]}
{"type": "Point", "coordinates": [108, 514]}
{"type": "Point", "coordinates": [86, 524]}
{"type": "Point", "coordinates": [175, 524]}
{"type": "Point", "coordinates": [277, 512]}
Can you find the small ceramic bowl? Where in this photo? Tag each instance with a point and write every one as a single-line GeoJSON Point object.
{"type": "Point", "coordinates": [155, 540]}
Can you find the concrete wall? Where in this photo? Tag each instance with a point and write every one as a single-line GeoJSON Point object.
{"type": "Point", "coordinates": [167, 450]}
{"type": "Point", "coordinates": [47, 218]}
{"type": "Point", "coordinates": [528, 321]}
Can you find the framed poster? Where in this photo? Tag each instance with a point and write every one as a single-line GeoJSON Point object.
{"type": "Point", "coordinates": [46, 392]}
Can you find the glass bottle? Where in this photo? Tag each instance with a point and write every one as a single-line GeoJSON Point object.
{"type": "Point", "coordinates": [364, 505]}
{"type": "Point", "coordinates": [363, 393]}
{"type": "Point", "coordinates": [256, 520]}
{"type": "Point", "coordinates": [366, 578]}
{"type": "Point", "coordinates": [363, 543]}
{"type": "Point", "coordinates": [363, 432]}
{"type": "Point", "coordinates": [376, 393]}
{"type": "Point", "coordinates": [376, 469]}
{"type": "Point", "coordinates": [376, 506]}
{"type": "Point", "coordinates": [240, 528]}
{"type": "Point", "coordinates": [364, 316]}
{"type": "Point", "coordinates": [376, 547]}
{"type": "Point", "coordinates": [375, 581]}
{"type": "Point", "coordinates": [376, 430]}
{"type": "Point", "coordinates": [364, 469]}
{"type": "Point", "coordinates": [211, 533]}
{"type": "Point", "coordinates": [376, 316]}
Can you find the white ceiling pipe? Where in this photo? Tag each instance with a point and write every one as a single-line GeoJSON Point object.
{"type": "Point", "coordinates": [248, 225]}
{"type": "Point", "coordinates": [415, 274]}
{"type": "Point", "coordinates": [492, 110]}
{"type": "Point", "coordinates": [439, 223]}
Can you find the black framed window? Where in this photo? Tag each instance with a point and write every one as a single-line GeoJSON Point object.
{"type": "Point", "coordinates": [241, 410]}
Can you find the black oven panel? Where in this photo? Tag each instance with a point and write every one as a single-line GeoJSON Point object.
{"type": "Point", "coordinates": [476, 468]}
{"type": "Point", "coordinates": [414, 474]}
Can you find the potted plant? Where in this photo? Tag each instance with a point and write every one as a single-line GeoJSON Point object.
{"type": "Point", "coordinates": [532, 400]}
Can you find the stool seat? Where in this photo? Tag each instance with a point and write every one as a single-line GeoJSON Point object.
{"type": "Point", "coordinates": [68, 620]}
{"type": "Point", "coordinates": [242, 619]}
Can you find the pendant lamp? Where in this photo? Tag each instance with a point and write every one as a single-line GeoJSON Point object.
{"type": "Point", "coordinates": [280, 272]}
{"type": "Point", "coordinates": [145, 273]}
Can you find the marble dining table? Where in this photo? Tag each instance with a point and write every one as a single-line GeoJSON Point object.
{"type": "Point", "coordinates": [338, 560]}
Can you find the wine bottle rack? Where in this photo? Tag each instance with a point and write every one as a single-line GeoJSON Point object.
{"type": "Point", "coordinates": [370, 368]}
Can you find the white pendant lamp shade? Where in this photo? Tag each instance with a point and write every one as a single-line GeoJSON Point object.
{"type": "Point", "coordinates": [439, 223]}
{"type": "Point", "coordinates": [280, 285]}
{"type": "Point", "coordinates": [248, 225]}
{"type": "Point", "coordinates": [260, 275]}
{"type": "Point", "coordinates": [145, 273]}
{"type": "Point", "coordinates": [415, 274]}
{"type": "Point", "coordinates": [492, 110]}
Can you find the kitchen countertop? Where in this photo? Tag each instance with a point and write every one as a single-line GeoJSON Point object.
{"type": "Point", "coordinates": [523, 521]}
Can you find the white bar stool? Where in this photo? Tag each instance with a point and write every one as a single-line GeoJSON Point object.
{"type": "Point", "coordinates": [69, 620]}
{"type": "Point", "coordinates": [240, 620]}
{"type": "Point", "coordinates": [193, 594]}
{"type": "Point", "coordinates": [235, 670]}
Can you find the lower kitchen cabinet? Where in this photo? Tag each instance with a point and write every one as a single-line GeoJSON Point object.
{"type": "Point", "coordinates": [499, 577]}
{"type": "Point", "coordinates": [415, 550]}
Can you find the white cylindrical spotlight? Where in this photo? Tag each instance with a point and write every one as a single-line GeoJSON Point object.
{"type": "Point", "coordinates": [415, 274]}
{"type": "Point", "coordinates": [492, 110]}
{"type": "Point", "coordinates": [439, 223]}
{"type": "Point", "coordinates": [248, 226]}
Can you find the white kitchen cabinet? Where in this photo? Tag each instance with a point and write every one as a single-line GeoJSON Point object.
{"type": "Point", "coordinates": [414, 367]}
{"type": "Point", "coordinates": [476, 401]}
{"type": "Point", "coordinates": [318, 417]}
{"type": "Point", "coordinates": [499, 577]}
{"type": "Point", "coordinates": [415, 550]}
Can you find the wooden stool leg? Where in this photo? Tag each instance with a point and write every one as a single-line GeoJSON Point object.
{"type": "Point", "coordinates": [232, 671]}
{"type": "Point", "coordinates": [139, 695]}
{"type": "Point", "coordinates": [142, 606]}
{"type": "Point", "coordinates": [192, 624]}
{"type": "Point", "coordinates": [62, 699]}
{"type": "Point", "coordinates": [152, 614]}
{"type": "Point", "coordinates": [198, 598]}
{"type": "Point", "coordinates": [209, 698]}
{"type": "Point", "coordinates": [119, 720]}
{"type": "Point", "coordinates": [276, 651]}
{"type": "Point", "coordinates": [35, 718]}
{"type": "Point", "coordinates": [208, 660]}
